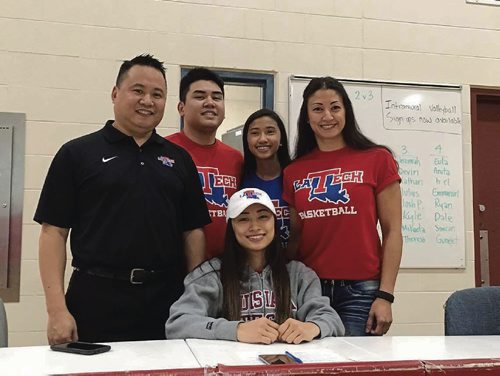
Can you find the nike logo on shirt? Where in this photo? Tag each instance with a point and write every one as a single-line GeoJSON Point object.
{"type": "Point", "coordinates": [104, 160]}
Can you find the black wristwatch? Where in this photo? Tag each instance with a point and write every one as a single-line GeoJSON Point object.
{"type": "Point", "coordinates": [384, 295]}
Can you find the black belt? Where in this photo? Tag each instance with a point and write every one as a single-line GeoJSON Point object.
{"type": "Point", "coordinates": [337, 282]}
{"type": "Point", "coordinates": [136, 276]}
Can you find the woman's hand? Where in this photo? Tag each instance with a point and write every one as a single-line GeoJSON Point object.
{"type": "Point", "coordinates": [295, 331]}
{"type": "Point", "coordinates": [257, 331]}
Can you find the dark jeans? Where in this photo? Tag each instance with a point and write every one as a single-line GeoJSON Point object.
{"type": "Point", "coordinates": [109, 310]}
{"type": "Point", "coordinates": [352, 300]}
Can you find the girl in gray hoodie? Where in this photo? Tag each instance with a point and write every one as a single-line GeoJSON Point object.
{"type": "Point", "coordinates": [251, 294]}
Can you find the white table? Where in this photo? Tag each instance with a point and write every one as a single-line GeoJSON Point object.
{"type": "Point", "coordinates": [423, 347]}
{"type": "Point", "coordinates": [345, 349]}
{"type": "Point", "coordinates": [210, 353]}
{"type": "Point", "coordinates": [123, 356]}
{"type": "Point", "coordinates": [196, 353]}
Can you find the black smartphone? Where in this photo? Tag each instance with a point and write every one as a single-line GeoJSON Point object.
{"type": "Point", "coordinates": [277, 359]}
{"type": "Point", "coordinates": [84, 348]}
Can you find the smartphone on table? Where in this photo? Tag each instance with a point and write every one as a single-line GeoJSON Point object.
{"type": "Point", "coordinates": [278, 359]}
{"type": "Point", "coordinates": [84, 348]}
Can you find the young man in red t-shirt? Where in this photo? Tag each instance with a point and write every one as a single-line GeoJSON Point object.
{"type": "Point", "coordinates": [201, 106]}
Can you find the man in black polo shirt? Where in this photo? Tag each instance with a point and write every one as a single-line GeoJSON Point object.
{"type": "Point", "coordinates": [135, 207]}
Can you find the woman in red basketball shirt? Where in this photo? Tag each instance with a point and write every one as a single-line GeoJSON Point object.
{"type": "Point", "coordinates": [340, 185]}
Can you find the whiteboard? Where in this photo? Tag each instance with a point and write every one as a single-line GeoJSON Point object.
{"type": "Point", "coordinates": [422, 124]}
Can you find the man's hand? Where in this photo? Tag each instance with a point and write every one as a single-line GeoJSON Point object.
{"type": "Point", "coordinates": [258, 331]}
{"type": "Point", "coordinates": [295, 331]}
{"type": "Point", "coordinates": [379, 318]}
{"type": "Point", "coordinates": [61, 328]}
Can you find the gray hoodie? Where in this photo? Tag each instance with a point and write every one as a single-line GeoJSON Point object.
{"type": "Point", "coordinates": [197, 313]}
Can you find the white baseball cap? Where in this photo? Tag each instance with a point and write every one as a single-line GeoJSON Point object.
{"type": "Point", "coordinates": [242, 199]}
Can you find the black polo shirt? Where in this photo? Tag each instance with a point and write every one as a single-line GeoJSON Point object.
{"type": "Point", "coordinates": [126, 205]}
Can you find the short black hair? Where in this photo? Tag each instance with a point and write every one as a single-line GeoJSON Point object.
{"type": "Point", "coordinates": [144, 59]}
{"type": "Point", "coordinates": [198, 74]}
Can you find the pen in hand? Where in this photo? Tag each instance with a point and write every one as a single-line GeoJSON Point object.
{"type": "Point", "coordinates": [298, 360]}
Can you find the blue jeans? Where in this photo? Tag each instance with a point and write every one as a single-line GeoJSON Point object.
{"type": "Point", "coordinates": [352, 300]}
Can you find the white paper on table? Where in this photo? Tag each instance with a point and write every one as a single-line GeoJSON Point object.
{"type": "Point", "coordinates": [211, 353]}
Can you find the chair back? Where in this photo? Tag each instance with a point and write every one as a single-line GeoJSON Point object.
{"type": "Point", "coordinates": [3, 326]}
{"type": "Point", "coordinates": [473, 311]}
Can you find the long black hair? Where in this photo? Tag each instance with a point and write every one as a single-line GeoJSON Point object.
{"type": "Point", "coordinates": [306, 140]}
{"type": "Point", "coordinates": [233, 270]}
{"type": "Point", "coordinates": [250, 165]}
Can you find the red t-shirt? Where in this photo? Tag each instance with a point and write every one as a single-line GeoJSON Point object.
{"type": "Point", "coordinates": [219, 167]}
{"type": "Point", "coordinates": [334, 194]}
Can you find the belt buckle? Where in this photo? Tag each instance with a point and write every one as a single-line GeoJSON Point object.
{"type": "Point", "coordinates": [133, 276]}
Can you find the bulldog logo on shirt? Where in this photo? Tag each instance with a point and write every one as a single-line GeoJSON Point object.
{"type": "Point", "coordinates": [166, 161]}
{"type": "Point", "coordinates": [327, 185]}
{"type": "Point", "coordinates": [214, 185]}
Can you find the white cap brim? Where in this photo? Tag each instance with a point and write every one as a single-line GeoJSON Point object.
{"type": "Point", "coordinates": [242, 199]}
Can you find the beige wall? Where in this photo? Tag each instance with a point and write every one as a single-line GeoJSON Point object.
{"type": "Point", "coordinates": [59, 58]}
